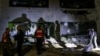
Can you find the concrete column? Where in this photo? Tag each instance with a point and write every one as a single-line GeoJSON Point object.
{"type": "Point", "coordinates": [97, 4]}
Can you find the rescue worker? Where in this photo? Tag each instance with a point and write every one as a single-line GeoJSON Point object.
{"type": "Point", "coordinates": [39, 34]}
{"type": "Point", "coordinates": [57, 30]}
{"type": "Point", "coordinates": [6, 42]}
{"type": "Point", "coordinates": [19, 38]}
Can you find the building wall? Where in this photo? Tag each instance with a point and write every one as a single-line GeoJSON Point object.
{"type": "Point", "coordinates": [54, 12]}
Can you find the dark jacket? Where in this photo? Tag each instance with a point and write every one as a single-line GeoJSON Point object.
{"type": "Point", "coordinates": [19, 37]}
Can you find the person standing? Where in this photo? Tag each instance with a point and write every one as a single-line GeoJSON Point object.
{"type": "Point", "coordinates": [19, 38]}
{"type": "Point", "coordinates": [39, 34]}
{"type": "Point", "coordinates": [6, 42]}
{"type": "Point", "coordinates": [93, 38]}
{"type": "Point", "coordinates": [57, 30]}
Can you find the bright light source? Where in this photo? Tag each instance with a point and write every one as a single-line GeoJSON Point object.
{"type": "Point", "coordinates": [68, 30]}
{"type": "Point", "coordinates": [65, 24]}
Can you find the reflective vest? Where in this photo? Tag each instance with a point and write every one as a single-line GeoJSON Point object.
{"type": "Point", "coordinates": [39, 33]}
{"type": "Point", "coordinates": [4, 38]}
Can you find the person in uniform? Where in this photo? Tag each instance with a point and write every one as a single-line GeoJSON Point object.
{"type": "Point", "coordinates": [39, 34]}
{"type": "Point", "coordinates": [6, 42]}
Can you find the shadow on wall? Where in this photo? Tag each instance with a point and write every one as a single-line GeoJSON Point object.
{"type": "Point", "coordinates": [21, 19]}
